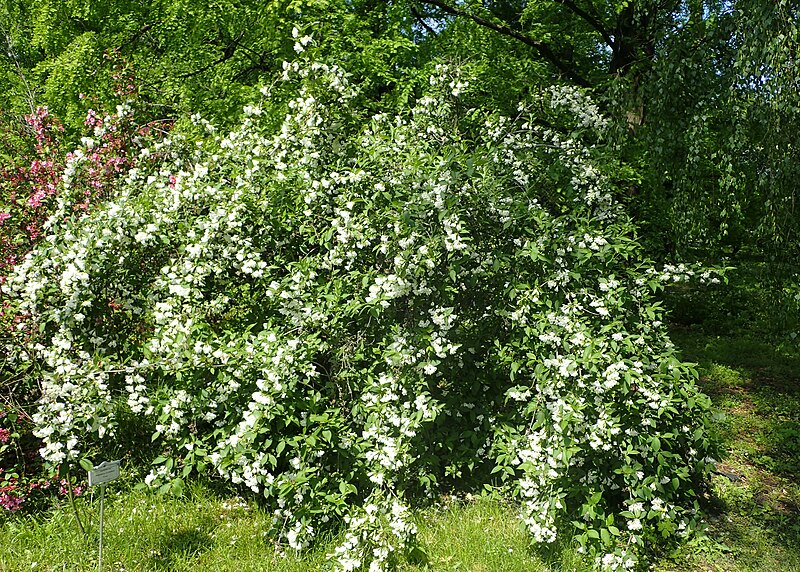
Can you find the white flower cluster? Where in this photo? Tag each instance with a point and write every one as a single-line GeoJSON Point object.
{"type": "Point", "coordinates": [375, 535]}
{"type": "Point", "coordinates": [302, 41]}
{"type": "Point", "coordinates": [681, 272]}
{"type": "Point", "coordinates": [583, 109]}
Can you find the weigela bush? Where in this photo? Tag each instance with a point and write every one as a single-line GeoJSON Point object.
{"type": "Point", "coordinates": [341, 312]}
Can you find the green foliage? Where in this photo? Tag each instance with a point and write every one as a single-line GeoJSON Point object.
{"type": "Point", "coordinates": [184, 57]}
{"type": "Point", "coordinates": [700, 90]}
{"type": "Point", "coordinates": [703, 95]}
{"type": "Point", "coordinates": [718, 158]}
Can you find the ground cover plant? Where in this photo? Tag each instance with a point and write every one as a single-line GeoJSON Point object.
{"type": "Point", "coordinates": [343, 312]}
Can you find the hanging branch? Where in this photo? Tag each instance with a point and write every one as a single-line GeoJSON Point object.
{"type": "Point", "coordinates": [226, 55]}
{"type": "Point", "coordinates": [421, 19]}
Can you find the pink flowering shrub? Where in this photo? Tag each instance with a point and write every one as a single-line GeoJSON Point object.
{"type": "Point", "coordinates": [27, 185]}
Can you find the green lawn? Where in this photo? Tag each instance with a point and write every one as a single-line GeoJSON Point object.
{"type": "Point", "coordinates": [753, 509]}
{"type": "Point", "coordinates": [205, 531]}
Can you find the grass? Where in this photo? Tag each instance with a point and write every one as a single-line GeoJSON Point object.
{"type": "Point", "coordinates": [205, 531]}
{"type": "Point", "coordinates": [145, 532]}
{"type": "Point", "coordinates": [753, 511]}
{"type": "Point", "coordinates": [483, 536]}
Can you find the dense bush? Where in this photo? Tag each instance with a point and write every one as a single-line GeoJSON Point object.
{"type": "Point", "coordinates": [344, 312]}
{"type": "Point", "coordinates": [37, 177]}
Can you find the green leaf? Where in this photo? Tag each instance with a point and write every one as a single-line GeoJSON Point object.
{"type": "Point", "coordinates": [177, 487]}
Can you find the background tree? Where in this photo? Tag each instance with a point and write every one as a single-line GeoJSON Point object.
{"type": "Point", "coordinates": [701, 92]}
{"type": "Point", "coordinates": [184, 57]}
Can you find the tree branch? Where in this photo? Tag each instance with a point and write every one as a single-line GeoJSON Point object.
{"type": "Point", "coordinates": [416, 13]}
{"type": "Point", "coordinates": [250, 69]}
{"type": "Point", "coordinates": [589, 19]}
{"type": "Point", "coordinates": [226, 55]}
{"type": "Point", "coordinates": [139, 33]}
{"type": "Point", "coordinates": [543, 49]}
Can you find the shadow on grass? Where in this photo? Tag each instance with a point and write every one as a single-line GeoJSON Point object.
{"type": "Point", "coordinates": [181, 546]}
{"type": "Point", "coordinates": [757, 386]}
{"type": "Point", "coordinates": [753, 510]}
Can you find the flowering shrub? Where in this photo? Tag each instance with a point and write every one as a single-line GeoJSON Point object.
{"type": "Point", "coordinates": [29, 187]}
{"type": "Point", "coordinates": [340, 312]}
{"type": "Point", "coordinates": [26, 186]}
{"type": "Point", "coordinates": [32, 186]}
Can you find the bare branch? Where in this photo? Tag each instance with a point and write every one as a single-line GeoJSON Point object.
{"type": "Point", "coordinates": [226, 55]}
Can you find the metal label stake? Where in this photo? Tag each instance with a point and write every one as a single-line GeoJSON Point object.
{"type": "Point", "coordinates": [101, 474]}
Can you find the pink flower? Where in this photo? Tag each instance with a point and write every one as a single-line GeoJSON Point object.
{"type": "Point", "coordinates": [5, 435]}
{"type": "Point", "coordinates": [4, 216]}
{"type": "Point", "coordinates": [10, 502]}
{"type": "Point", "coordinates": [36, 198]}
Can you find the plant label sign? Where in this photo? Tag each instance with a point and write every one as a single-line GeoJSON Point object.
{"type": "Point", "coordinates": [103, 473]}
